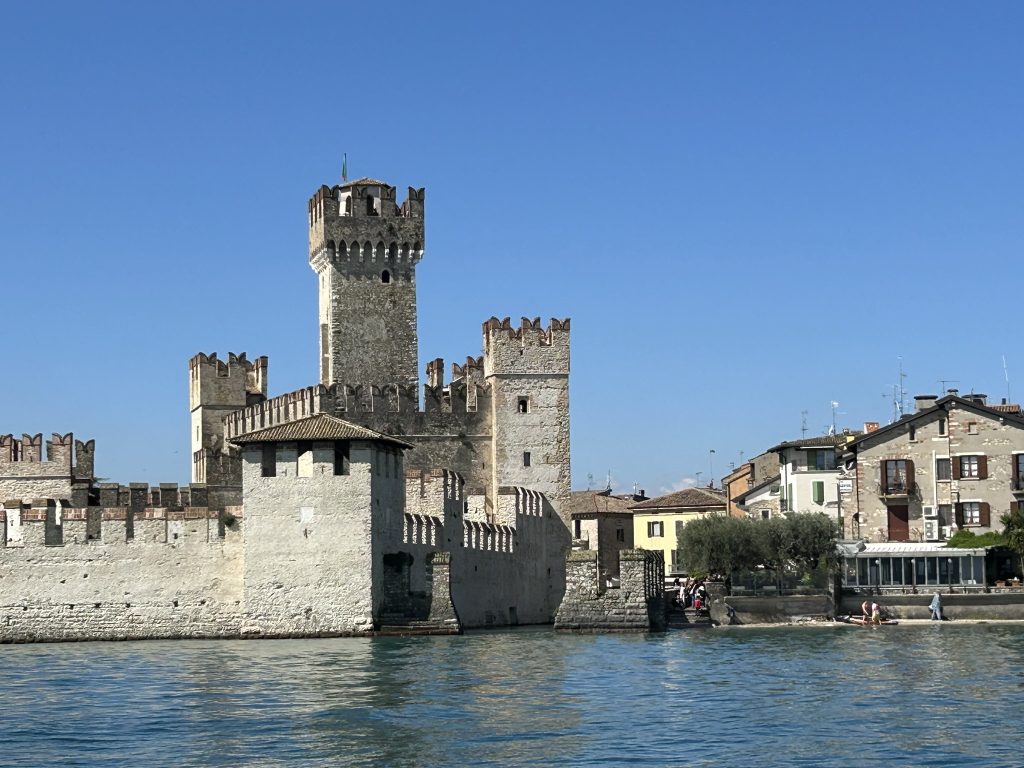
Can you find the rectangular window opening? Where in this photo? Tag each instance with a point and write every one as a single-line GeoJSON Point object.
{"type": "Point", "coordinates": [523, 405]}
{"type": "Point", "coordinates": [268, 462]}
{"type": "Point", "coordinates": [341, 460]}
{"type": "Point", "coordinates": [526, 458]}
{"type": "Point", "coordinates": [942, 469]}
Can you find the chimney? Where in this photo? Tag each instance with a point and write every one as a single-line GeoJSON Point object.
{"type": "Point", "coordinates": [954, 392]}
{"type": "Point", "coordinates": [924, 402]}
{"type": "Point", "coordinates": [435, 372]}
{"type": "Point", "coordinates": [870, 426]}
{"type": "Point", "coordinates": [978, 399]}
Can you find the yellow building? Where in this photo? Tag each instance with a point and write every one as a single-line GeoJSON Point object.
{"type": "Point", "coordinates": [658, 522]}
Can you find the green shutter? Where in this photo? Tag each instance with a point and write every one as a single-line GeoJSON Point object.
{"type": "Point", "coordinates": [819, 492]}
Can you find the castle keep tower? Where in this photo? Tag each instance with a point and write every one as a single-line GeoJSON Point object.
{"type": "Point", "coordinates": [364, 249]}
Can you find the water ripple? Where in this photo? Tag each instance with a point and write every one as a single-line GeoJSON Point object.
{"type": "Point", "coordinates": [926, 695]}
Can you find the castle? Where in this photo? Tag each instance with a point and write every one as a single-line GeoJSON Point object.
{"type": "Point", "coordinates": [346, 507]}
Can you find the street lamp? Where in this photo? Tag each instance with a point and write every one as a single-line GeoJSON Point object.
{"type": "Point", "coordinates": [711, 467]}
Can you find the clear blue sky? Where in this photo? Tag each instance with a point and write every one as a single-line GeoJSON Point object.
{"type": "Point", "coordinates": [748, 210]}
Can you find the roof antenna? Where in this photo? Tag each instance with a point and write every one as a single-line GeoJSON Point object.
{"type": "Point", "coordinates": [1006, 375]}
{"type": "Point", "coordinates": [803, 424]}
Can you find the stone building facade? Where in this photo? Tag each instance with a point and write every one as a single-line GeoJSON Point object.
{"type": "Point", "coordinates": [956, 462]}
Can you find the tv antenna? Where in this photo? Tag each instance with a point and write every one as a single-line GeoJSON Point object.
{"type": "Point", "coordinates": [803, 424]}
{"type": "Point", "coordinates": [590, 480]}
{"type": "Point", "coordinates": [944, 382]}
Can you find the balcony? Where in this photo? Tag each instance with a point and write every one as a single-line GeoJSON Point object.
{"type": "Point", "coordinates": [897, 492]}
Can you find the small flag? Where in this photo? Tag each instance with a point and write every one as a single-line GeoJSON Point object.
{"type": "Point", "coordinates": [344, 167]}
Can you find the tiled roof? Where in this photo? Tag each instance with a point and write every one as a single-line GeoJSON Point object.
{"type": "Point", "coordinates": [365, 181]}
{"type": "Point", "coordinates": [1004, 412]}
{"type": "Point", "coordinates": [755, 488]}
{"type": "Point", "coordinates": [688, 497]}
{"type": "Point", "coordinates": [1006, 408]}
{"type": "Point", "coordinates": [589, 502]}
{"type": "Point", "coordinates": [318, 427]}
{"type": "Point", "coordinates": [821, 441]}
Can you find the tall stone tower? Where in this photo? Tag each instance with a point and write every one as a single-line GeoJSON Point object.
{"type": "Point", "coordinates": [364, 249]}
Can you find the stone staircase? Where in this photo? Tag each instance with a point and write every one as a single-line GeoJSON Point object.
{"type": "Point", "coordinates": [397, 625]}
{"type": "Point", "coordinates": [679, 618]}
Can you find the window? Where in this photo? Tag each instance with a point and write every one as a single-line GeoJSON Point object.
{"type": "Point", "coordinates": [942, 426]}
{"type": "Point", "coordinates": [577, 529]}
{"type": "Point", "coordinates": [897, 476]}
{"type": "Point", "coordinates": [385, 276]}
{"type": "Point", "coordinates": [972, 468]}
{"type": "Point", "coordinates": [269, 460]}
{"type": "Point", "coordinates": [341, 458]}
{"type": "Point", "coordinates": [620, 534]}
{"type": "Point", "coordinates": [972, 512]}
{"type": "Point", "coordinates": [766, 514]}
{"type": "Point", "coordinates": [818, 491]}
{"type": "Point", "coordinates": [972, 427]}
{"type": "Point", "coordinates": [913, 433]}
{"type": "Point", "coordinates": [526, 458]}
{"type": "Point", "coordinates": [942, 469]}
{"type": "Point", "coordinates": [655, 529]}
{"type": "Point", "coordinates": [821, 459]}
{"type": "Point", "coordinates": [945, 514]}
{"type": "Point", "coordinates": [523, 405]}
{"type": "Point", "coordinates": [1018, 472]}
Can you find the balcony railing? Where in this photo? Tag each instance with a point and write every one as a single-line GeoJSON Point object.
{"type": "Point", "coordinates": [897, 488]}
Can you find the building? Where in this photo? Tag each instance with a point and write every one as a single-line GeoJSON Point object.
{"type": "Point", "coordinates": [603, 521]}
{"type": "Point", "coordinates": [808, 477]}
{"type": "Point", "coordinates": [955, 463]}
{"type": "Point", "coordinates": [346, 507]}
{"type": "Point", "coordinates": [658, 522]}
{"type": "Point", "coordinates": [501, 422]}
{"type": "Point", "coordinates": [749, 475]}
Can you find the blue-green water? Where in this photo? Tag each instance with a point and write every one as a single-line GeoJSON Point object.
{"type": "Point", "coordinates": [921, 695]}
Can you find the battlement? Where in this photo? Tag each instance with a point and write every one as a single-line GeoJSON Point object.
{"type": "Point", "coordinates": [364, 198]}
{"type": "Point", "coordinates": [233, 382]}
{"type": "Point", "coordinates": [473, 370]}
{"type": "Point", "coordinates": [29, 449]}
{"type": "Point", "coordinates": [50, 523]}
{"type": "Point", "coordinates": [422, 529]}
{"type": "Point", "coordinates": [530, 348]}
{"type": "Point", "coordinates": [360, 223]}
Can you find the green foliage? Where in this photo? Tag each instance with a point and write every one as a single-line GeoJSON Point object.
{"type": "Point", "coordinates": [970, 540]}
{"type": "Point", "coordinates": [227, 519]}
{"type": "Point", "coordinates": [722, 545]}
{"type": "Point", "coordinates": [1013, 531]}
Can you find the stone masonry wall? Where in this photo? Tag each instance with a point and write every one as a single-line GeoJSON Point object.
{"type": "Point", "coordinates": [178, 578]}
{"type": "Point", "coordinates": [638, 605]}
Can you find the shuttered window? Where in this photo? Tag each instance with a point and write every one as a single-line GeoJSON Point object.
{"type": "Point", "coordinates": [1018, 471]}
{"type": "Point", "coordinates": [971, 513]}
{"type": "Point", "coordinates": [971, 467]}
{"type": "Point", "coordinates": [818, 490]}
{"type": "Point", "coordinates": [897, 476]}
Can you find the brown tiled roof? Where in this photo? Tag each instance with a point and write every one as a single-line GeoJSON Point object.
{"type": "Point", "coordinates": [1006, 408]}
{"type": "Point", "coordinates": [318, 427]}
{"type": "Point", "coordinates": [688, 497]}
{"type": "Point", "coordinates": [365, 181]}
{"type": "Point", "coordinates": [589, 502]}
{"type": "Point", "coordinates": [821, 441]}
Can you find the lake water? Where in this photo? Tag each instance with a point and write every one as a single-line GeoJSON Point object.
{"type": "Point", "coordinates": [907, 695]}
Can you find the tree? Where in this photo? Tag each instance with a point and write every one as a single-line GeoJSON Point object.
{"type": "Point", "coordinates": [1013, 531]}
{"type": "Point", "coordinates": [814, 539]}
{"type": "Point", "coordinates": [719, 545]}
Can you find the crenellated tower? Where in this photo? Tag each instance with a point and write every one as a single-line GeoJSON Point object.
{"type": "Point", "coordinates": [527, 369]}
{"type": "Point", "coordinates": [364, 249]}
{"type": "Point", "coordinates": [218, 388]}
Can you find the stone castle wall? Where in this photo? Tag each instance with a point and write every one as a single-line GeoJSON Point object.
{"type": "Point", "coordinates": [180, 576]}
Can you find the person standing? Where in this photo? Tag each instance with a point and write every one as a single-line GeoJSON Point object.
{"type": "Point", "coordinates": [936, 607]}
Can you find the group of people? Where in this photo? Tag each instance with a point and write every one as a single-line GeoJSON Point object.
{"type": "Point", "coordinates": [873, 611]}
{"type": "Point", "coordinates": [690, 593]}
